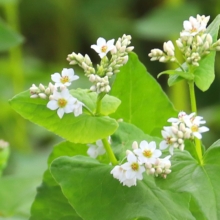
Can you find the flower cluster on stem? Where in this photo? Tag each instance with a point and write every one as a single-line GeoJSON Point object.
{"type": "Point", "coordinates": [182, 128]}
{"type": "Point", "coordinates": [194, 43]}
{"type": "Point", "coordinates": [100, 77]}
{"type": "Point", "coordinates": [58, 94]}
{"type": "Point", "coordinates": [143, 158]}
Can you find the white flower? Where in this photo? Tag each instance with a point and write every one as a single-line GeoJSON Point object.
{"type": "Point", "coordinates": [63, 101]}
{"type": "Point", "coordinates": [194, 25]}
{"type": "Point", "coordinates": [147, 152]}
{"type": "Point", "coordinates": [169, 141]}
{"type": "Point", "coordinates": [194, 126]}
{"type": "Point", "coordinates": [65, 79]}
{"type": "Point", "coordinates": [169, 48]}
{"type": "Point", "coordinates": [182, 117]}
{"type": "Point", "coordinates": [77, 110]}
{"type": "Point", "coordinates": [133, 169]}
{"type": "Point", "coordinates": [96, 149]}
{"type": "Point", "coordinates": [103, 47]}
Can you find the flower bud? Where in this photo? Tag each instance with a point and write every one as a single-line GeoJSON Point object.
{"type": "Point", "coordinates": [135, 145]}
{"type": "Point", "coordinates": [42, 95]}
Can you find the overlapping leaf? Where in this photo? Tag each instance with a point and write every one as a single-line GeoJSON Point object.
{"type": "Point", "coordinates": [95, 194]}
{"type": "Point", "coordinates": [201, 181]}
{"type": "Point", "coordinates": [50, 203]}
{"type": "Point", "coordinates": [141, 96]}
{"type": "Point", "coordinates": [85, 128]}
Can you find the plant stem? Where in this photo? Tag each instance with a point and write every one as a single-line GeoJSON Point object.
{"type": "Point", "coordinates": [99, 103]}
{"type": "Point", "coordinates": [109, 151]}
{"type": "Point", "coordinates": [194, 109]}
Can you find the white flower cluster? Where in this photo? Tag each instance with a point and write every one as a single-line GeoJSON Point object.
{"type": "Point", "coordinates": [146, 158]}
{"type": "Point", "coordinates": [194, 43]}
{"type": "Point", "coordinates": [163, 56]}
{"type": "Point", "coordinates": [182, 128]}
{"type": "Point", "coordinates": [59, 96]}
{"type": "Point", "coordinates": [107, 67]}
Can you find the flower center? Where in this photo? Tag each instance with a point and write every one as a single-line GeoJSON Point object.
{"type": "Point", "coordinates": [135, 166]}
{"type": "Point", "coordinates": [194, 128]}
{"type": "Point", "coordinates": [169, 140]}
{"type": "Point", "coordinates": [64, 79]}
{"type": "Point", "coordinates": [104, 48]}
{"type": "Point", "coordinates": [62, 102]}
{"type": "Point", "coordinates": [147, 153]}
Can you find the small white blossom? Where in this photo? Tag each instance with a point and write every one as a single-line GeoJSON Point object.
{"type": "Point", "coordinates": [133, 168]}
{"type": "Point", "coordinates": [65, 79]}
{"type": "Point", "coordinates": [194, 25]}
{"type": "Point", "coordinates": [147, 152]}
{"type": "Point", "coordinates": [103, 47]}
{"type": "Point", "coordinates": [77, 110]}
{"type": "Point", "coordinates": [97, 149]}
{"type": "Point", "coordinates": [62, 101]}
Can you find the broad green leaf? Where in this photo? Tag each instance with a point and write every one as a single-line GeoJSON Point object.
{"type": "Point", "coordinates": [50, 203]}
{"type": "Point", "coordinates": [95, 194]}
{"type": "Point", "coordinates": [184, 75]}
{"type": "Point", "coordinates": [109, 103]}
{"type": "Point", "coordinates": [85, 128]}
{"type": "Point", "coordinates": [125, 135]}
{"type": "Point", "coordinates": [8, 37]}
{"type": "Point", "coordinates": [141, 97]}
{"type": "Point", "coordinates": [205, 73]}
{"type": "Point", "coordinates": [165, 21]}
{"type": "Point", "coordinates": [201, 181]}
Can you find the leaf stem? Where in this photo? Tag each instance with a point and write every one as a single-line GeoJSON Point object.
{"type": "Point", "coordinates": [194, 109]}
{"type": "Point", "coordinates": [109, 151]}
{"type": "Point", "coordinates": [99, 103]}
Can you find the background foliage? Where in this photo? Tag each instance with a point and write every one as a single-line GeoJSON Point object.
{"type": "Point", "coordinates": [35, 38]}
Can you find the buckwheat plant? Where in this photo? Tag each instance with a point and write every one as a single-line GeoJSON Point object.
{"type": "Point", "coordinates": [127, 153]}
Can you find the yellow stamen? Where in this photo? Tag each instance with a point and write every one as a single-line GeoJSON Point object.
{"type": "Point", "coordinates": [147, 153]}
{"type": "Point", "coordinates": [62, 102]}
{"type": "Point", "coordinates": [64, 79]}
{"type": "Point", "coordinates": [135, 166]}
{"type": "Point", "coordinates": [194, 128]}
{"type": "Point", "coordinates": [103, 49]}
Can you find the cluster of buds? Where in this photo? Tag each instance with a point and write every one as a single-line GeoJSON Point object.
{"type": "Point", "coordinates": [108, 66]}
{"type": "Point", "coordinates": [182, 128]}
{"type": "Point", "coordinates": [59, 96]}
{"type": "Point", "coordinates": [41, 91]}
{"type": "Point", "coordinates": [83, 61]}
{"type": "Point", "coordinates": [194, 43]}
{"type": "Point", "coordinates": [160, 167]}
{"type": "Point", "coordinates": [163, 56]}
{"type": "Point", "coordinates": [144, 159]}
{"type": "Point", "coordinates": [100, 84]}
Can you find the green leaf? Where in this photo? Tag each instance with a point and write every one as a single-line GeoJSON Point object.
{"type": "Point", "coordinates": [205, 72]}
{"type": "Point", "coordinates": [95, 194]}
{"type": "Point", "coordinates": [125, 135]}
{"type": "Point", "coordinates": [141, 98]}
{"type": "Point", "coordinates": [184, 75]}
{"type": "Point", "coordinates": [109, 103]}
{"type": "Point", "coordinates": [201, 181]}
{"type": "Point", "coordinates": [8, 37]}
{"type": "Point", "coordinates": [50, 203]}
{"type": "Point", "coordinates": [82, 129]}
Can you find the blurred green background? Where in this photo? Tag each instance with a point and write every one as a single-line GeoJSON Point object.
{"type": "Point", "coordinates": [35, 39]}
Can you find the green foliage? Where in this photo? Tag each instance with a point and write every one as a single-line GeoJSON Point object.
{"type": "Point", "coordinates": [103, 197]}
{"type": "Point", "coordinates": [140, 97]}
{"type": "Point", "coordinates": [204, 74]}
{"type": "Point", "coordinates": [69, 127]}
{"type": "Point", "coordinates": [201, 181]}
{"type": "Point", "coordinates": [50, 203]}
{"type": "Point", "coordinates": [8, 37]}
{"type": "Point", "coordinates": [4, 154]}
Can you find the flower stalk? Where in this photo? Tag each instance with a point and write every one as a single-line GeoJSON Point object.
{"type": "Point", "coordinates": [194, 109]}
{"type": "Point", "coordinates": [109, 151]}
